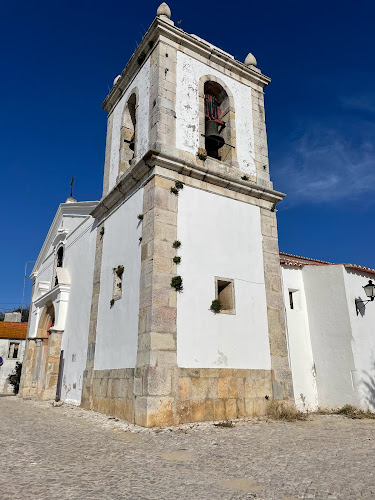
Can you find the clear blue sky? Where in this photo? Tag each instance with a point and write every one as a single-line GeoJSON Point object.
{"type": "Point", "coordinates": [59, 60]}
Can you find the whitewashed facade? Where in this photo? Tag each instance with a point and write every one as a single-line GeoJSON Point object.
{"type": "Point", "coordinates": [331, 347]}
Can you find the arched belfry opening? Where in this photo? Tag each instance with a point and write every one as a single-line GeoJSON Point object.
{"type": "Point", "coordinates": [59, 262]}
{"type": "Point", "coordinates": [214, 96]}
{"type": "Point", "coordinates": [128, 143]}
{"type": "Point", "coordinates": [217, 122]}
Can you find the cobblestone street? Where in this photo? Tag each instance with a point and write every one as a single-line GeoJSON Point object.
{"type": "Point", "coordinates": [64, 452]}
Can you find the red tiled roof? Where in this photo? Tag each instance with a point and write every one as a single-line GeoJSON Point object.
{"type": "Point", "coordinates": [10, 330]}
{"type": "Point", "coordinates": [289, 259]}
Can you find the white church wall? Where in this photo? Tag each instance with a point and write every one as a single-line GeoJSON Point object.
{"type": "Point", "coordinates": [117, 327]}
{"type": "Point", "coordinates": [220, 237]}
{"type": "Point", "coordinates": [299, 343]}
{"type": "Point", "coordinates": [363, 338]}
{"type": "Point", "coordinates": [79, 257]}
{"type": "Point", "coordinates": [189, 72]}
{"type": "Point", "coordinates": [331, 334]}
{"type": "Point", "coordinates": [142, 83]}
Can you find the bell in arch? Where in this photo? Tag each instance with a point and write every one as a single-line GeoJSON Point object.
{"type": "Point", "coordinates": [214, 141]}
{"type": "Point", "coordinates": [131, 143]}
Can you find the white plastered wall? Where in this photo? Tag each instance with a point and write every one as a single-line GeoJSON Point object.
{"type": "Point", "coordinates": [117, 327]}
{"type": "Point", "coordinates": [79, 257]}
{"type": "Point", "coordinates": [142, 83]}
{"type": "Point", "coordinates": [189, 72]}
{"type": "Point", "coordinates": [220, 237]}
{"type": "Point", "coordinates": [363, 337]}
{"type": "Point", "coordinates": [299, 343]}
{"type": "Point", "coordinates": [331, 335]}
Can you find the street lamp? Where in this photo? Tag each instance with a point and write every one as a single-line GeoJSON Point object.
{"type": "Point", "coordinates": [370, 293]}
{"type": "Point", "coordinates": [370, 290]}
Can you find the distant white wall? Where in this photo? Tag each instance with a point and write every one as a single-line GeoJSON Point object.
{"type": "Point", "coordinates": [331, 335]}
{"type": "Point", "coordinates": [142, 83]}
{"type": "Point", "coordinates": [299, 343]}
{"type": "Point", "coordinates": [363, 337]}
{"type": "Point", "coordinates": [9, 364]}
{"type": "Point", "coordinates": [79, 259]}
{"type": "Point", "coordinates": [189, 72]}
{"type": "Point", "coordinates": [220, 237]}
{"type": "Point", "coordinates": [117, 328]}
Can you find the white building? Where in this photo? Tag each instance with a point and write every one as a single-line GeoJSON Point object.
{"type": "Point", "coordinates": [187, 206]}
{"type": "Point", "coordinates": [330, 333]}
{"type": "Point", "coordinates": [12, 348]}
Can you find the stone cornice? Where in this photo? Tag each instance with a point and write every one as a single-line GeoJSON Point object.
{"type": "Point", "coordinates": [215, 174]}
{"type": "Point", "coordinates": [160, 28]}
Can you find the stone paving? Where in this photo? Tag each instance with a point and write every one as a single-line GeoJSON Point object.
{"type": "Point", "coordinates": [65, 452]}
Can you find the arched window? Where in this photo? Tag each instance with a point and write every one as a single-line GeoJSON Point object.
{"type": "Point", "coordinates": [128, 143]}
{"type": "Point", "coordinates": [60, 257]}
{"type": "Point", "coordinates": [217, 121]}
{"type": "Point", "coordinates": [59, 261]}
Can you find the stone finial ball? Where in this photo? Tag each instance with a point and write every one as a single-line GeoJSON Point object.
{"type": "Point", "coordinates": [116, 79]}
{"type": "Point", "coordinates": [164, 10]}
{"type": "Point", "coordinates": [250, 60]}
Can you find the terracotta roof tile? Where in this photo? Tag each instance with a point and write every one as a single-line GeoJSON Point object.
{"type": "Point", "coordinates": [10, 330]}
{"type": "Point", "coordinates": [289, 259]}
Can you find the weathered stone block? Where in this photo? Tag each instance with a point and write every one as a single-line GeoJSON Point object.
{"type": "Point", "coordinates": [199, 388]}
{"type": "Point", "coordinates": [184, 387]}
{"type": "Point", "coordinates": [198, 409]}
{"type": "Point", "coordinates": [222, 388]}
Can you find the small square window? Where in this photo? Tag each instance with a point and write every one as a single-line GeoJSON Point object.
{"type": "Point", "coordinates": [224, 293]}
{"type": "Point", "coordinates": [13, 350]}
{"type": "Point", "coordinates": [294, 299]}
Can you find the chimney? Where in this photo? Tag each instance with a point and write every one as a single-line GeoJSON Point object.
{"type": "Point", "coordinates": [13, 317]}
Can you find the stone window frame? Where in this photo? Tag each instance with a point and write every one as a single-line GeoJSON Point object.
{"type": "Point", "coordinates": [18, 342]}
{"type": "Point", "coordinates": [126, 157]}
{"type": "Point", "coordinates": [231, 281]}
{"type": "Point", "coordinates": [230, 122]}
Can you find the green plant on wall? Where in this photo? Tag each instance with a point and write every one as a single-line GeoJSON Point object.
{"type": "Point", "coordinates": [216, 306]}
{"type": "Point", "coordinates": [176, 259]}
{"type": "Point", "coordinates": [140, 216]}
{"type": "Point", "coordinates": [140, 239]}
{"type": "Point", "coordinates": [178, 186]}
{"type": "Point", "coordinates": [245, 178]}
{"type": "Point", "coordinates": [176, 244]}
{"type": "Point", "coordinates": [176, 283]}
{"type": "Point", "coordinates": [120, 271]}
{"type": "Point", "coordinates": [15, 377]}
{"type": "Point", "coordinates": [202, 154]}
{"type": "Point", "coordinates": [112, 302]}
{"type": "Point", "coordinates": [102, 232]}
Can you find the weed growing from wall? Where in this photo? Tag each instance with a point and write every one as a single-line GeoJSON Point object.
{"type": "Point", "coordinates": [176, 283]}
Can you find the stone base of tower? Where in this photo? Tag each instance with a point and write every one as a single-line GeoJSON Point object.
{"type": "Point", "coordinates": [197, 395]}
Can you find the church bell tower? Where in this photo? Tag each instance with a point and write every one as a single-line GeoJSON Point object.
{"type": "Point", "coordinates": [193, 327]}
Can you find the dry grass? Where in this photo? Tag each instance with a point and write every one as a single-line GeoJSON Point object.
{"type": "Point", "coordinates": [225, 423]}
{"type": "Point", "coordinates": [348, 411]}
{"type": "Point", "coordinates": [279, 410]}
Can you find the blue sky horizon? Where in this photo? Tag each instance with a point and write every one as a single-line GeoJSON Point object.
{"type": "Point", "coordinates": [60, 62]}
